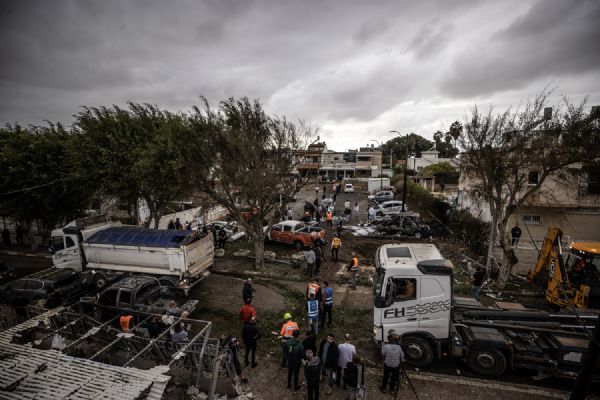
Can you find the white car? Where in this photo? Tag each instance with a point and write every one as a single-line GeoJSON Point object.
{"type": "Point", "coordinates": [348, 188]}
{"type": "Point", "coordinates": [389, 207]}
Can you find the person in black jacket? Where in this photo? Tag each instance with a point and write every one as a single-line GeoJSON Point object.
{"type": "Point", "coordinates": [328, 354]}
{"type": "Point", "coordinates": [311, 373]}
{"type": "Point", "coordinates": [250, 334]}
{"type": "Point", "coordinates": [310, 341]}
{"type": "Point", "coordinates": [248, 290]}
{"type": "Point", "coordinates": [295, 354]}
{"type": "Point", "coordinates": [354, 377]}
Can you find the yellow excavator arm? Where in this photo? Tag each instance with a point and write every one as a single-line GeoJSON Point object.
{"type": "Point", "coordinates": [558, 289]}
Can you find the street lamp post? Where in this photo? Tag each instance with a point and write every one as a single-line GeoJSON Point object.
{"type": "Point", "coordinates": [380, 164]}
{"type": "Point", "coordinates": [405, 173]}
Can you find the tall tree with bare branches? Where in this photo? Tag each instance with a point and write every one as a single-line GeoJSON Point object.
{"type": "Point", "coordinates": [499, 150]}
{"type": "Point", "coordinates": [251, 162]}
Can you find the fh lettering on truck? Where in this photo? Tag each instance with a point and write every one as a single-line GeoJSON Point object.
{"type": "Point", "coordinates": [419, 309]}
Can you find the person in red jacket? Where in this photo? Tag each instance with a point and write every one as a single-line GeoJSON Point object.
{"type": "Point", "coordinates": [247, 312]}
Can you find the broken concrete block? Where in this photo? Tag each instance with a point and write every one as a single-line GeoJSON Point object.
{"type": "Point", "coordinates": [219, 253]}
{"type": "Point", "coordinates": [242, 253]}
{"type": "Point", "coordinates": [270, 254]}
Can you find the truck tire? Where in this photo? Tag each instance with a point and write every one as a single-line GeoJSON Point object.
{"type": "Point", "coordinates": [418, 351]}
{"type": "Point", "coordinates": [100, 281]}
{"type": "Point", "coordinates": [486, 361]}
{"type": "Point", "coordinates": [298, 245]}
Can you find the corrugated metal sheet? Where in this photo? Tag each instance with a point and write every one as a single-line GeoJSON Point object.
{"type": "Point", "coordinates": [28, 373]}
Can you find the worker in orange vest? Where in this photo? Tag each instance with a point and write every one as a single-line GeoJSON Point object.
{"type": "Point", "coordinates": [329, 217]}
{"type": "Point", "coordinates": [354, 269]}
{"type": "Point", "coordinates": [314, 288]}
{"type": "Point", "coordinates": [287, 330]}
{"type": "Point", "coordinates": [125, 321]}
{"type": "Point", "coordinates": [336, 243]}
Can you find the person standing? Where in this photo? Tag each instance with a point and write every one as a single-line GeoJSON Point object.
{"type": "Point", "coordinates": [334, 197]}
{"type": "Point", "coordinates": [295, 354]}
{"type": "Point", "coordinates": [371, 213]}
{"type": "Point", "coordinates": [287, 330]}
{"type": "Point", "coordinates": [314, 288]}
{"type": "Point", "coordinates": [250, 335]}
{"type": "Point", "coordinates": [248, 291]}
{"type": "Point", "coordinates": [311, 373]}
{"type": "Point", "coordinates": [327, 306]}
{"type": "Point", "coordinates": [354, 268]}
{"type": "Point", "coordinates": [328, 353]}
{"type": "Point", "coordinates": [318, 242]}
{"type": "Point", "coordinates": [339, 226]}
{"type": "Point", "coordinates": [318, 215]}
{"type": "Point", "coordinates": [6, 238]}
{"type": "Point", "coordinates": [354, 377]}
{"type": "Point", "coordinates": [329, 219]}
{"type": "Point", "coordinates": [312, 306]}
{"type": "Point", "coordinates": [290, 214]}
{"type": "Point", "coordinates": [477, 282]}
{"type": "Point", "coordinates": [310, 341]}
{"type": "Point", "coordinates": [125, 321]}
{"type": "Point", "coordinates": [222, 238]}
{"type": "Point", "coordinates": [393, 356]}
{"type": "Point", "coordinates": [336, 243]}
{"type": "Point", "coordinates": [234, 347]}
{"type": "Point", "coordinates": [318, 258]}
{"type": "Point", "coordinates": [310, 257]}
{"type": "Point", "coordinates": [317, 191]}
{"type": "Point", "coordinates": [178, 225]}
{"type": "Point", "coordinates": [347, 210]}
{"type": "Point", "coordinates": [247, 312]}
{"type": "Point", "coordinates": [515, 232]}
{"type": "Point", "coordinates": [19, 235]}
{"type": "Point", "coordinates": [345, 350]}
{"type": "Point", "coordinates": [357, 210]}
{"type": "Point", "coordinates": [171, 224]}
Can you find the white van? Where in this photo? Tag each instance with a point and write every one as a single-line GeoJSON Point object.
{"type": "Point", "coordinates": [348, 188]}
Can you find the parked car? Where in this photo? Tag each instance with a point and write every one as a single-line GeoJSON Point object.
{"type": "Point", "coordinates": [381, 196]}
{"type": "Point", "coordinates": [60, 283]}
{"type": "Point", "coordinates": [296, 233]}
{"type": "Point", "coordinates": [389, 207]}
{"type": "Point", "coordinates": [348, 188]}
{"type": "Point", "coordinates": [6, 272]}
{"type": "Point", "coordinates": [230, 227]}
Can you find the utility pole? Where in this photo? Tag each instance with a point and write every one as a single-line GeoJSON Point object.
{"type": "Point", "coordinates": [588, 366]}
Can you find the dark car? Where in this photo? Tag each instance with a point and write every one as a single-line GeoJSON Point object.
{"type": "Point", "coordinates": [61, 284]}
{"type": "Point", "coordinates": [6, 272]}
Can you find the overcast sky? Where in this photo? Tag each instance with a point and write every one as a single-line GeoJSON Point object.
{"type": "Point", "coordinates": [354, 69]}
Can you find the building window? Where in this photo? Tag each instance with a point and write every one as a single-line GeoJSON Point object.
{"type": "Point", "coordinates": [532, 219]}
{"type": "Point", "coordinates": [534, 178]}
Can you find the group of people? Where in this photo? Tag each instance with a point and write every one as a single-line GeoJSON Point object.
{"type": "Point", "coordinates": [156, 326]}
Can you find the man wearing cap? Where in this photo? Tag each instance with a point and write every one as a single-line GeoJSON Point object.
{"type": "Point", "coordinates": [287, 330]}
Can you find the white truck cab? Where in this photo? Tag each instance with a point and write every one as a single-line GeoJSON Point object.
{"type": "Point", "coordinates": [412, 294]}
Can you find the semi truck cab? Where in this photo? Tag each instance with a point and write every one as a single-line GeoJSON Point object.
{"type": "Point", "coordinates": [412, 293]}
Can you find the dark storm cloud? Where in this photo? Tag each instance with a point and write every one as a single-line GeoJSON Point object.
{"type": "Point", "coordinates": [351, 66]}
{"type": "Point", "coordinates": [553, 39]}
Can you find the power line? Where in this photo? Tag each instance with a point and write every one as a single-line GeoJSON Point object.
{"type": "Point", "coordinates": [33, 187]}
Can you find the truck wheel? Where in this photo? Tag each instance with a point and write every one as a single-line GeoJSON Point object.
{"type": "Point", "coordinates": [298, 245]}
{"type": "Point", "coordinates": [99, 281]}
{"type": "Point", "coordinates": [418, 351]}
{"type": "Point", "coordinates": [488, 362]}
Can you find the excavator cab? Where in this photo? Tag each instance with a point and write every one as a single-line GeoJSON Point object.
{"type": "Point", "coordinates": [583, 268]}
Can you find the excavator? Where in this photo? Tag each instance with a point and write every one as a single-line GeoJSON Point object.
{"type": "Point", "coordinates": [573, 278]}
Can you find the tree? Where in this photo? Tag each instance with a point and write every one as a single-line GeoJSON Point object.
{"type": "Point", "coordinates": [39, 179]}
{"type": "Point", "coordinates": [500, 150]}
{"type": "Point", "coordinates": [134, 154]}
{"type": "Point", "coordinates": [444, 141]}
{"type": "Point", "coordinates": [444, 173]}
{"type": "Point", "coordinates": [397, 146]}
{"type": "Point", "coordinates": [247, 161]}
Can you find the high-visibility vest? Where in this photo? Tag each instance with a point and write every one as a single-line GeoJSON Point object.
{"type": "Point", "coordinates": [336, 242]}
{"type": "Point", "coordinates": [328, 296]}
{"type": "Point", "coordinates": [288, 329]}
{"type": "Point", "coordinates": [313, 289]}
{"type": "Point", "coordinates": [354, 264]}
{"type": "Point", "coordinates": [125, 320]}
{"type": "Point", "coordinates": [329, 216]}
{"type": "Point", "coordinates": [313, 309]}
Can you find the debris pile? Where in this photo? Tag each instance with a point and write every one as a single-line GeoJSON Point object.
{"type": "Point", "coordinates": [401, 224]}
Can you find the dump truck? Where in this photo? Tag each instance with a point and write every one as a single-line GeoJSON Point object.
{"type": "Point", "coordinates": [412, 294]}
{"type": "Point", "coordinates": [106, 250]}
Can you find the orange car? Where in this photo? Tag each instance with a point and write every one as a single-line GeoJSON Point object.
{"type": "Point", "coordinates": [296, 233]}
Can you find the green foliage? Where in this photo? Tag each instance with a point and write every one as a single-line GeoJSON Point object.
{"type": "Point", "coordinates": [439, 168]}
{"type": "Point", "coordinates": [444, 142]}
{"type": "Point", "coordinates": [39, 179]}
{"type": "Point", "coordinates": [397, 145]}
